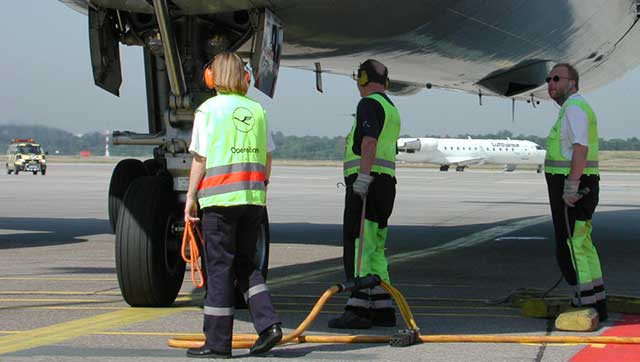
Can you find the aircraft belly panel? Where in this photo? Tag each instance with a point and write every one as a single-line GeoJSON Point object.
{"type": "Point", "coordinates": [454, 46]}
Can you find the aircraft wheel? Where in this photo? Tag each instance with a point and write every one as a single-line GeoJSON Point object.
{"type": "Point", "coordinates": [152, 167]}
{"type": "Point", "coordinates": [261, 259]}
{"type": "Point", "coordinates": [123, 174]}
{"type": "Point", "coordinates": [148, 262]}
{"type": "Point", "coordinates": [35, 172]}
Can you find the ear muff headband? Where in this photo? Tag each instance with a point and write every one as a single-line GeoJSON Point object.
{"type": "Point", "coordinates": [209, 77]}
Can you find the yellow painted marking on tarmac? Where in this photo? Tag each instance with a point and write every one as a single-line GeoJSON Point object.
{"type": "Point", "coordinates": [433, 299]}
{"type": "Point", "coordinates": [55, 292]}
{"type": "Point", "coordinates": [64, 331]}
{"type": "Point", "coordinates": [109, 308]}
{"type": "Point", "coordinates": [10, 332]}
{"type": "Point", "coordinates": [81, 279]}
{"type": "Point", "coordinates": [52, 300]}
{"type": "Point", "coordinates": [129, 333]}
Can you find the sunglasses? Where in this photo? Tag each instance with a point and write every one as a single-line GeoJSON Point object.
{"type": "Point", "coordinates": [555, 78]}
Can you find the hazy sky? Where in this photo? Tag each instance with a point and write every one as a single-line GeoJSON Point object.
{"type": "Point", "coordinates": [46, 79]}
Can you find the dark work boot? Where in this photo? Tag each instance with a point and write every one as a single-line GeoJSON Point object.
{"type": "Point", "coordinates": [267, 340]}
{"type": "Point", "coordinates": [205, 352]}
{"type": "Point", "coordinates": [351, 319]}
{"type": "Point", "coordinates": [384, 317]}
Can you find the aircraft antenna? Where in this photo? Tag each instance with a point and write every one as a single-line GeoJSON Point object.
{"type": "Point", "coordinates": [513, 110]}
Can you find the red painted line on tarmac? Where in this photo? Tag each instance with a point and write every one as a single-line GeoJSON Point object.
{"type": "Point", "coordinates": [626, 326]}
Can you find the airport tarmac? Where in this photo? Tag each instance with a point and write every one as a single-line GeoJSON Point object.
{"type": "Point", "coordinates": [456, 241]}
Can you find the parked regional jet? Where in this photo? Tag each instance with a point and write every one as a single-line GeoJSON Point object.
{"type": "Point", "coordinates": [502, 48]}
{"type": "Point", "coordinates": [466, 152]}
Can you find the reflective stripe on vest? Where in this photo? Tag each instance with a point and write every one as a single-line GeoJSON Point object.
{"type": "Point", "coordinates": [555, 162]}
{"type": "Point", "coordinates": [376, 162]}
{"type": "Point", "coordinates": [385, 158]}
{"type": "Point", "coordinates": [567, 164]}
{"type": "Point", "coordinates": [236, 152]}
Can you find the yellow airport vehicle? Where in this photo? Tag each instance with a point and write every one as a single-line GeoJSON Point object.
{"type": "Point", "coordinates": [24, 154]}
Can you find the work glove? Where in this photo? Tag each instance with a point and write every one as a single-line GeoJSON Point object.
{"type": "Point", "coordinates": [570, 194]}
{"type": "Point", "coordinates": [361, 185]}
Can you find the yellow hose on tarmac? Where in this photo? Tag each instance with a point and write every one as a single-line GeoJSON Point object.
{"type": "Point", "coordinates": [247, 340]}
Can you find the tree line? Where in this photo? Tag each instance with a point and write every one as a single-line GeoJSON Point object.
{"type": "Point", "coordinates": [57, 141]}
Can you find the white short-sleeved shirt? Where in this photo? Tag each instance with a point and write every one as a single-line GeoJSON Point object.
{"type": "Point", "coordinates": [199, 139]}
{"type": "Point", "coordinates": [575, 128]}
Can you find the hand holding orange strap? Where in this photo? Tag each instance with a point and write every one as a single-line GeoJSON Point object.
{"type": "Point", "coordinates": [189, 238]}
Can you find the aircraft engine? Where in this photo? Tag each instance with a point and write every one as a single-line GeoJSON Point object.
{"type": "Point", "coordinates": [409, 146]}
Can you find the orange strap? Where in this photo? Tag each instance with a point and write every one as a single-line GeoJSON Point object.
{"type": "Point", "coordinates": [189, 238]}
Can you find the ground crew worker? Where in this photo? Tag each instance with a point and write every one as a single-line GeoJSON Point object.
{"type": "Point", "coordinates": [369, 170]}
{"type": "Point", "coordinates": [571, 165]}
{"type": "Point", "coordinates": [230, 144]}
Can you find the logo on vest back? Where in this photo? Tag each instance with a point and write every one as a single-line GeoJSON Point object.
{"type": "Point", "coordinates": [243, 119]}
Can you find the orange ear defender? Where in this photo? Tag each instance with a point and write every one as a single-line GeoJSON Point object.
{"type": "Point", "coordinates": [207, 76]}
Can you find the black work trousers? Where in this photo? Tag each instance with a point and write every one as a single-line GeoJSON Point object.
{"type": "Point", "coordinates": [585, 258]}
{"type": "Point", "coordinates": [375, 302]}
{"type": "Point", "coordinates": [231, 235]}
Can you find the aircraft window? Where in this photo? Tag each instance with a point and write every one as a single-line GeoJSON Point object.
{"type": "Point", "coordinates": [538, 148]}
{"type": "Point", "coordinates": [458, 148]}
{"type": "Point", "coordinates": [475, 148]}
{"type": "Point", "coordinates": [500, 148]}
{"type": "Point", "coordinates": [494, 148]}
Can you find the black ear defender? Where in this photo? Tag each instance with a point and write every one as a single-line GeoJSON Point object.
{"type": "Point", "coordinates": [366, 74]}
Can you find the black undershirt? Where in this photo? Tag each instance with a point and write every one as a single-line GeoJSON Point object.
{"type": "Point", "coordinates": [369, 121]}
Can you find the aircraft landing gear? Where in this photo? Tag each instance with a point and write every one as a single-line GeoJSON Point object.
{"type": "Point", "coordinates": [460, 168]}
{"type": "Point", "coordinates": [444, 168]}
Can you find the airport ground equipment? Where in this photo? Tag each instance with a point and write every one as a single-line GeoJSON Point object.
{"type": "Point", "coordinates": [25, 155]}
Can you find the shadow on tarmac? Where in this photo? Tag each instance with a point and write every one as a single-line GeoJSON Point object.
{"type": "Point", "coordinates": [34, 232]}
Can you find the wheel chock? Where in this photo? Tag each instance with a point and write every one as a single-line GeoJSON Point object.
{"type": "Point", "coordinates": [578, 320]}
{"type": "Point", "coordinates": [404, 338]}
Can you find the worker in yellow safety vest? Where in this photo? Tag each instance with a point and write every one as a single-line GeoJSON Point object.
{"type": "Point", "coordinates": [369, 171]}
{"type": "Point", "coordinates": [228, 180]}
{"type": "Point", "coordinates": [573, 178]}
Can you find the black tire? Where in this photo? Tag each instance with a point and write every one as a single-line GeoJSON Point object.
{"type": "Point", "coordinates": [35, 172]}
{"type": "Point", "coordinates": [152, 167]}
{"type": "Point", "coordinates": [261, 259]}
{"type": "Point", "coordinates": [148, 262]}
{"type": "Point", "coordinates": [123, 174]}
